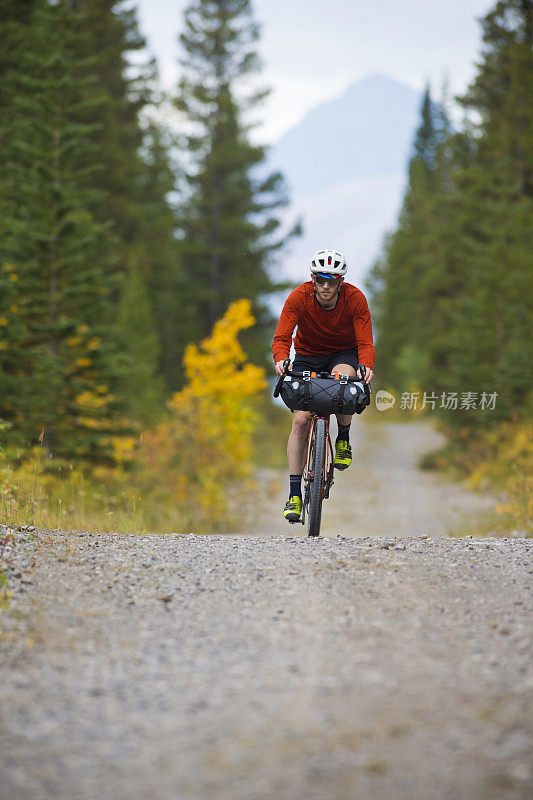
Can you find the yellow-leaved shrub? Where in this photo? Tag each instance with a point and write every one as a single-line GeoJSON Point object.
{"type": "Point", "coordinates": [506, 466]}
{"type": "Point", "coordinates": [203, 449]}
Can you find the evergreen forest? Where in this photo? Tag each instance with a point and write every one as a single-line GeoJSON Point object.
{"type": "Point", "coordinates": [452, 291]}
{"type": "Point", "coordinates": [123, 242]}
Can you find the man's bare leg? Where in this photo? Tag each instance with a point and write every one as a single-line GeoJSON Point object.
{"type": "Point", "coordinates": [296, 453]}
{"type": "Point", "coordinates": [297, 444]}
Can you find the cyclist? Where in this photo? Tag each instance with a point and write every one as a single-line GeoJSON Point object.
{"type": "Point", "coordinates": [334, 333]}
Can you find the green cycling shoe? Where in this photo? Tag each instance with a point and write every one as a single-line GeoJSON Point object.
{"type": "Point", "coordinates": [343, 454]}
{"type": "Point", "coordinates": [293, 509]}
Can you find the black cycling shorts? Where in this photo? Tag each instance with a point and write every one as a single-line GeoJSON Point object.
{"type": "Point", "coordinates": [325, 362]}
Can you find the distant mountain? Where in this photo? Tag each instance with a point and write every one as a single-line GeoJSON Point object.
{"type": "Point", "coordinates": [345, 165]}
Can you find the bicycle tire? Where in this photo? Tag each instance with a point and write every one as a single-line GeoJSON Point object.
{"type": "Point", "coordinates": [316, 478]}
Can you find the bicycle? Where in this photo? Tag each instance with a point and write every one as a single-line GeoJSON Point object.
{"type": "Point", "coordinates": [319, 467]}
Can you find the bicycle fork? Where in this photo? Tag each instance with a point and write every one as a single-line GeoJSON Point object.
{"type": "Point", "coordinates": [310, 471]}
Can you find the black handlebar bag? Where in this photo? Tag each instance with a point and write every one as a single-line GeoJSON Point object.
{"type": "Point", "coordinates": [324, 395]}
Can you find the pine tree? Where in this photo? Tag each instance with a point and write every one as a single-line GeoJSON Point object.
{"type": "Point", "coordinates": [404, 282]}
{"type": "Point", "coordinates": [501, 92]}
{"type": "Point", "coordinates": [109, 39]}
{"type": "Point", "coordinates": [14, 16]}
{"type": "Point", "coordinates": [427, 135]}
{"type": "Point", "coordinates": [141, 387]}
{"type": "Point", "coordinates": [494, 312]}
{"type": "Point", "coordinates": [137, 174]}
{"type": "Point", "coordinates": [467, 324]}
{"type": "Point", "coordinates": [228, 229]}
{"type": "Point", "coordinates": [157, 251]}
{"type": "Point", "coordinates": [58, 351]}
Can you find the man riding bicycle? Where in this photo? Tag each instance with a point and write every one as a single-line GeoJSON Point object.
{"type": "Point", "coordinates": [334, 334]}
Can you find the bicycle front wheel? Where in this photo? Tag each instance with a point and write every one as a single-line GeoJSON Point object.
{"type": "Point", "coordinates": [316, 477]}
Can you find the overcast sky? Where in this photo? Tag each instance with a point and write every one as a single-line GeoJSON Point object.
{"type": "Point", "coordinates": [314, 50]}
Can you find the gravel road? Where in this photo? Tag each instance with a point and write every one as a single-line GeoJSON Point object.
{"type": "Point", "coordinates": [384, 491]}
{"type": "Point", "coordinates": [176, 667]}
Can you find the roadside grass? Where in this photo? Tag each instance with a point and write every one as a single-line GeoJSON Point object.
{"type": "Point", "coordinates": [5, 593]}
{"type": "Point", "coordinates": [146, 496]}
{"type": "Point", "coordinates": [105, 499]}
{"type": "Point", "coordinates": [7, 542]}
{"type": "Point", "coordinates": [101, 499]}
{"type": "Point", "coordinates": [482, 524]}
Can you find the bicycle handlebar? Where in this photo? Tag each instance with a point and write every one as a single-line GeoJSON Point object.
{"type": "Point", "coordinates": [297, 374]}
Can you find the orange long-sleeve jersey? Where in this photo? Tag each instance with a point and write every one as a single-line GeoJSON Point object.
{"type": "Point", "coordinates": [320, 331]}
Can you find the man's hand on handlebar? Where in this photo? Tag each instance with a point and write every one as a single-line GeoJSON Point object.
{"type": "Point", "coordinates": [369, 374]}
{"type": "Point", "coordinates": [366, 374]}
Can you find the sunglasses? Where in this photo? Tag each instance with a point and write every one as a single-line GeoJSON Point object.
{"type": "Point", "coordinates": [331, 279]}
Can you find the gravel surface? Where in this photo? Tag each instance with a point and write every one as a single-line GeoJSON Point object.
{"type": "Point", "coordinates": [177, 667]}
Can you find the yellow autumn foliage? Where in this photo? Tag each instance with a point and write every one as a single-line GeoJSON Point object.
{"type": "Point", "coordinates": [507, 468]}
{"type": "Point", "coordinates": [91, 400]}
{"type": "Point", "coordinates": [206, 444]}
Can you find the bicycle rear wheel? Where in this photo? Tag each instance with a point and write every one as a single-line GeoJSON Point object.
{"type": "Point", "coordinates": [316, 477]}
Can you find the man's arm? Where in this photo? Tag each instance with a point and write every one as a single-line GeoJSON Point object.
{"type": "Point", "coordinates": [281, 346]}
{"type": "Point", "coordinates": [363, 333]}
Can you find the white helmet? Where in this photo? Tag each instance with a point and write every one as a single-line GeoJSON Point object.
{"type": "Point", "coordinates": [329, 261]}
